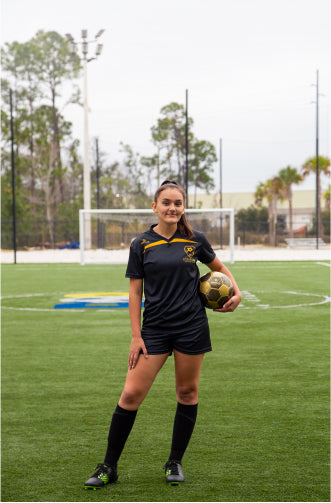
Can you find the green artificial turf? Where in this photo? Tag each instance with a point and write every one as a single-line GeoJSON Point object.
{"type": "Point", "coordinates": [262, 432]}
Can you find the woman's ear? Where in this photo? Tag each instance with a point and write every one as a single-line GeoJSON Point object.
{"type": "Point", "coordinates": [154, 207]}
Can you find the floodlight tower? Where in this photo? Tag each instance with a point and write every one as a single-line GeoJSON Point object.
{"type": "Point", "coordinates": [87, 171]}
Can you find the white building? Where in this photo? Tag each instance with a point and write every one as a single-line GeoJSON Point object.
{"type": "Point", "coordinates": [304, 204]}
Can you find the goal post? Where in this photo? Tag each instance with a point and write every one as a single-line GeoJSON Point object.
{"type": "Point", "coordinates": [114, 229]}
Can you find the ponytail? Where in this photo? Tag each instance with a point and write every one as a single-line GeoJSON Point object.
{"type": "Point", "coordinates": [183, 225]}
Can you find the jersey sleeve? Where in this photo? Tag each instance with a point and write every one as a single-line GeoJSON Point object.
{"type": "Point", "coordinates": [206, 254]}
{"type": "Point", "coordinates": [135, 267]}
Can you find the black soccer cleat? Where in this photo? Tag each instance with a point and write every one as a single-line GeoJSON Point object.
{"type": "Point", "coordinates": [174, 473]}
{"type": "Point", "coordinates": [104, 475]}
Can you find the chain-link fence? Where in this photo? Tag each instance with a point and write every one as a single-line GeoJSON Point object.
{"type": "Point", "coordinates": [38, 233]}
{"type": "Point", "coordinates": [42, 234]}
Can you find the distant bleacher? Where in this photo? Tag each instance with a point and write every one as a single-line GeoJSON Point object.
{"type": "Point", "coordinates": [300, 242]}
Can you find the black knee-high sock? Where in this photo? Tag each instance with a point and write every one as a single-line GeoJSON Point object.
{"type": "Point", "coordinates": [120, 427]}
{"type": "Point", "coordinates": [183, 428]}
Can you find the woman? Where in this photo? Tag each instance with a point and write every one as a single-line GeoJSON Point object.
{"type": "Point", "coordinates": [162, 263]}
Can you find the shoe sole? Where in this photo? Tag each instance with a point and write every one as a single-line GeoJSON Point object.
{"type": "Point", "coordinates": [94, 488]}
{"type": "Point", "coordinates": [174, 483]}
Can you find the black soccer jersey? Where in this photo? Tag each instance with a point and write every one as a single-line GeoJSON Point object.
{"type": "Point", "coordinates": [171, 278]}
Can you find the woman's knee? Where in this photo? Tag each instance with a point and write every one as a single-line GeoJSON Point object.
{"type": "Point", "coordinates": [132, 397]}
{"type": "Point", "coordinates": [187, 394]}
{"type": "Point", "coordinates": [139, 381]}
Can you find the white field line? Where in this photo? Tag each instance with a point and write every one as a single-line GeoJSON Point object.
{"type": "Point", "coordinates": [325, 300]}
{"type": "Point", "coordinates": [248, 296]}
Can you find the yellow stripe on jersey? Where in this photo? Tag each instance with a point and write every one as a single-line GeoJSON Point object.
{"type": "Point", "coordinates": [163, 242]}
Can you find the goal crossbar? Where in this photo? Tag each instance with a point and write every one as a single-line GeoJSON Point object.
{"type": "Point", "coordinates": [110, 211]}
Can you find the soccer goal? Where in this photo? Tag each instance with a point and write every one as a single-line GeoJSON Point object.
{"type": "Point", "coordinates": [105, 235]}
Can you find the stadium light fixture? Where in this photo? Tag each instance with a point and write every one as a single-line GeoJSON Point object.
{"type": "Point", "coordinates": [98, 49]}
{"type": "Point", "coordinates": [100, 32]}
{"type": "Point", "coordinates": [72, 48]}
{"type": "Point", "coordinates": [85, 48]}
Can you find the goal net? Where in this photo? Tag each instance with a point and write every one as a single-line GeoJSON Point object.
{"type": "Point", "coordinates": [105, 235]}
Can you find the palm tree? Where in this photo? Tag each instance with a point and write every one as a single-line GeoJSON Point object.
{"type": "Point", "coordinates": [327, 197]}
{"type": "Point", "coordinates": [259, 194]}
{"type": "Point", "coordinates": [272, 190]}
{"type": "Point", "coordinates": [289, 176]}
{"type": "Point", "coordinates": [323, 167]}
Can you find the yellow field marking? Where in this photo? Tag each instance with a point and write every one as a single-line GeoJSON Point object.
{"type": "Point", "coordinates": [94, 294]}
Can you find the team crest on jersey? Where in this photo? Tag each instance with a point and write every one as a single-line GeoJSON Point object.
{"type": "Point", "coordinates": [189, 250]}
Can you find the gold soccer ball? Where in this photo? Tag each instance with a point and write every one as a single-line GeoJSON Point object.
{"type": "Point", "coordinates": [215, 289]}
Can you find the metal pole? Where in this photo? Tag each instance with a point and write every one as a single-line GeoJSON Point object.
{"type": "Point", "coordinates": [87, 173]}
{"type": "Point", "coordinates": [98, 186]}
{"type": "Point", "coordinates": [232, 236]}
{"type": "Point", "coordinates": [186, 148]}
{"type": "Point", "coordinates": [317, 168]}
{"type": "Point", "coordinates": [13, 172]}
{"type": "Point", "coordinates": [98, 172]}
{"type": "Point", "coordinates": [221, 196]}
{"type": "Point", "coordinates": [82, 237]}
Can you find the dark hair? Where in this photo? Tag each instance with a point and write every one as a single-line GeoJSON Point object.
{"type": "Point", "coordinates": [183, 226]}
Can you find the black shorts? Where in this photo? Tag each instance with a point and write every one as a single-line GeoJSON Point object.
{"type": "Point", "coordinates": [189, 341]}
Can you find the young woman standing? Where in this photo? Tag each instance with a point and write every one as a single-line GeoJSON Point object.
{"type": "Point", "coordinates": [162, 264]}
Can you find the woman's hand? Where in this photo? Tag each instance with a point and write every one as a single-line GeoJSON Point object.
{"type": "Point", "coordinates": [137, 345]}
{"type": "Point", "coordinates": [230, 305]}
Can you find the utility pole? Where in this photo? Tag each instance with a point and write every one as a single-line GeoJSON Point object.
{"type": "Point", "coordinates": [13, 171]}
{"type": "Point", "coordinates": [221, 195]}
{"type": "Point", "coordinates": [98, 189]}
{"type": "Point", "coordinates": [317, 168]}
{"type": "Point", "coordinates": [98, 171]}
{"type": "Point", "coordinates": [186, 148]}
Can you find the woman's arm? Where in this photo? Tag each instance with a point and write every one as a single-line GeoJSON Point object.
{"type": "Point", "coordinates": [234, 301]}
{"type": "Point", "coordinates": [137, 343]}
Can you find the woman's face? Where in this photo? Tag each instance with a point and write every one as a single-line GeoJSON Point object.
{"type": "Point", "coordinates": [169, 206]}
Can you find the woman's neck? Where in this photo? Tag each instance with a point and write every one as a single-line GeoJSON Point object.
{"type": "Point", "coordinates": [167, 231]}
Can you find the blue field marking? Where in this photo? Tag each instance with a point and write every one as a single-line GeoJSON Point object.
{"type": "Point", "coordinates": [94, 300]}
{"type": "Point", "coordinates": [90, 305]}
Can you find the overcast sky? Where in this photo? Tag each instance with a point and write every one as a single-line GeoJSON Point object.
{"type": "Point", "coordinates": [249, 67]}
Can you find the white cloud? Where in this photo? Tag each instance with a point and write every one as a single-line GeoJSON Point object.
{"type": "Point", "coordinates": [248, 66]}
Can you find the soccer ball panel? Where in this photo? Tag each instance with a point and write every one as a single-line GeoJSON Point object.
{"type": "Point", "coordinates": [204, 287]}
